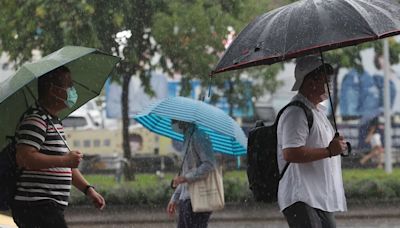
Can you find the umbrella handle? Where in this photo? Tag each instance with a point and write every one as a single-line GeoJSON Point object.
{"type": "Point", "coordinates": [172, 184]}
{"type": "Point", "coordinates": [348, 152]}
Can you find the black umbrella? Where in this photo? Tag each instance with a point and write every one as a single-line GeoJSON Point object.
{"type": "Point", "coordinates": [310, 26]}
{"type": "Point", "coordinates": [307, 27]}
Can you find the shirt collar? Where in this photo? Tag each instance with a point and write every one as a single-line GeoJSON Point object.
{"type": "Point", "coordinates": [42, 109]}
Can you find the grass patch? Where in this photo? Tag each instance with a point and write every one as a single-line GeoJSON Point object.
{"type": "Point", "coordinates": [368, 174]}
{"type": "Point", "coordinates": [151, 190]}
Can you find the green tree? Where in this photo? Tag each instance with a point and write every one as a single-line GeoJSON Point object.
{"type": "Point", "coordinates": [137, 17]}
{"type": "Point", "coordinates": [191, 35]}
{"type": "Point", "coordinates": [48, 25]}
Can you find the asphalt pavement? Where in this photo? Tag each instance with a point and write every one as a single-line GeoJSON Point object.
{"type": "Point", "coordinates": [250, 216]}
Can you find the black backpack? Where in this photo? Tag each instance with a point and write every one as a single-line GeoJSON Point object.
{"type": "Point", "coordinates": [9, 171]}
{"type": "Point", "coordinates": [262, 164]}
{"type": "Point", "coordinates": [9, 174]}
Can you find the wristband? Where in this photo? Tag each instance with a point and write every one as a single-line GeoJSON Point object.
{"type": "Point", "coordinates": [87, 188]}
{"type": "Point", "coordinates": [329, 151]}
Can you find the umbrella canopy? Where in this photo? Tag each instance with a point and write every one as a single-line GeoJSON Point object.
{"type": "Point", "coordinates": [89, 69]}
{"type": "Point", "coordinates": [309, 26]}
{"type": "Point", "coordinates": [226, 135]}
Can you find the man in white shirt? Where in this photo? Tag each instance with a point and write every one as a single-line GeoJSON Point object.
{"type": "Point", "coordinates": [311, 189]}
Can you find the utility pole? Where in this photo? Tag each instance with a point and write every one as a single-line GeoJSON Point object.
{"type": "Point", "coordinates": [388, 111]}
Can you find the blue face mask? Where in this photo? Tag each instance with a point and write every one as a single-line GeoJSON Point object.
{"type": "Point", "coordinates": [72, 97]}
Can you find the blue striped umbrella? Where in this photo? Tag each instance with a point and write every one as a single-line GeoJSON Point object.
{"type": "Point", "coordinates": [226, 135]}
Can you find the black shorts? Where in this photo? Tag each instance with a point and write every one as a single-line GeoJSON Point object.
{"type": "Point", "coordinates": [301, 215]}
{"type": "Point", "coordinates": [38, 214]}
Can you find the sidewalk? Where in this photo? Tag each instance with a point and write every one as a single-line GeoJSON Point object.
{"type": "Point", "coordinates": [124, 214]}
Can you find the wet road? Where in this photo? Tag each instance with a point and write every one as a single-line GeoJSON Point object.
{"type": "Point", "coordinates": [352, 223]}
{"type": "Point", "coordinates": [368, 216]}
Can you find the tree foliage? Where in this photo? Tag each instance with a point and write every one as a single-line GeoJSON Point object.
{"type": "Point", "coordinates": [188, 34]}
{"type": "Point", "coordinates": [47, 25]}
{"type": "Point", "coordinates": [191, 35]}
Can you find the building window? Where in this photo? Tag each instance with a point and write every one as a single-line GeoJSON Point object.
{"type": "Point", "coordinates": [86, 143]}
{"type": "Point", "coordinates": [96, 143]}
{"type": "Point", "coordinates": [106, 142]}
{"type": "Point", "coordinates": [77, 143]}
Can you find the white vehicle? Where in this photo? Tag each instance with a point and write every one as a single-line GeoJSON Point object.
{"type": "Point", "coordinates": [80, 120]}
{"type": "Point", "coordinates": [102, 144]}
{"type": "Point", "coordinates": [85, 118]}
{"type": "Point", "coordinates": [86, 135]}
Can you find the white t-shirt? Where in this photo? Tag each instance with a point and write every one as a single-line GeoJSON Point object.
{"type": "Point", "coordinates": [319, 183]}
{"type": "Point", "coordinates": [376, 140]}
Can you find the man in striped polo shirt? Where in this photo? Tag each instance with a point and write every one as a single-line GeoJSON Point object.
{"type": "Point", "coordinates": [49, 168]}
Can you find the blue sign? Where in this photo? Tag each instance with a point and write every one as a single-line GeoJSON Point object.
{"type": "Point", "coordinates": [163, 88]}
{"type": "Point", "coordinates": [360, 93]}
{"type": "Point", "coordinates": [174, 88]}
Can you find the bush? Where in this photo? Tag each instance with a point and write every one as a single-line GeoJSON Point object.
{"type": "Point", "coordinates": [127, 195]}
{"type": "Point", "coordinates": [236, 191]}
{"type": "Point", "coordinates": [369, 190]}
{"type": "Point", "coordinates": [150, 190]}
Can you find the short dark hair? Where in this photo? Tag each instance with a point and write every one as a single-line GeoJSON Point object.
{"type": "Point", "coordinates": [55, 77]}
{"type": "Point", "coordinates": [373, 122]}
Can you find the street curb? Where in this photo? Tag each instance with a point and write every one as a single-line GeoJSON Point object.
{"type": "Point", "coordinates": [232, 213]}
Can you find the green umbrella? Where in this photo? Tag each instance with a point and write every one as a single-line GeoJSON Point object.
{"type": "Point", "coordinates": [89, 67]}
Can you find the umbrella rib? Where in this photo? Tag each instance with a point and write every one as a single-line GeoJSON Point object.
{"type": "Point", "coordinates": [87, 88]}
{"type": "Point", "coordinates": [286, 35]}
{"type": "Point", "coordinates": [384, 11]}
{"type": "Point", "coordinates": [157, 119]}
{"type": "Point", "coordinates": [31, 93]}
{"type": "Point", "coordinates": [324, 47]}
{"type": "Point", "coordinates": [363, 18]}
{"type": "Point", "coordinates": [26, 99]}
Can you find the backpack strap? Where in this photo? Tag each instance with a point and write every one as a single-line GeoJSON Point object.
{"type": "Point", "coordinates": [307, 111]}
{"type": "Point", "coordinates": [310, 120]}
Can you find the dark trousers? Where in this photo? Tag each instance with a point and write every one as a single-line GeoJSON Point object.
{"type": "Point", "coordinates": [189, 219]}
{"type": "Point", "coordinates": [38, 215]}
{"type": "Point", "coordinates": [300, 215]}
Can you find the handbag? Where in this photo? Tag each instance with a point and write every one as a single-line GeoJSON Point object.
{"type": "Point", "coordinates": [207, 194]}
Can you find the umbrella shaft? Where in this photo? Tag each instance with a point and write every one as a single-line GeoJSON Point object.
{"type": "Point", "coordinates": [329, 91]}
{"type": "Point", "coordinates": [62, 138]}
